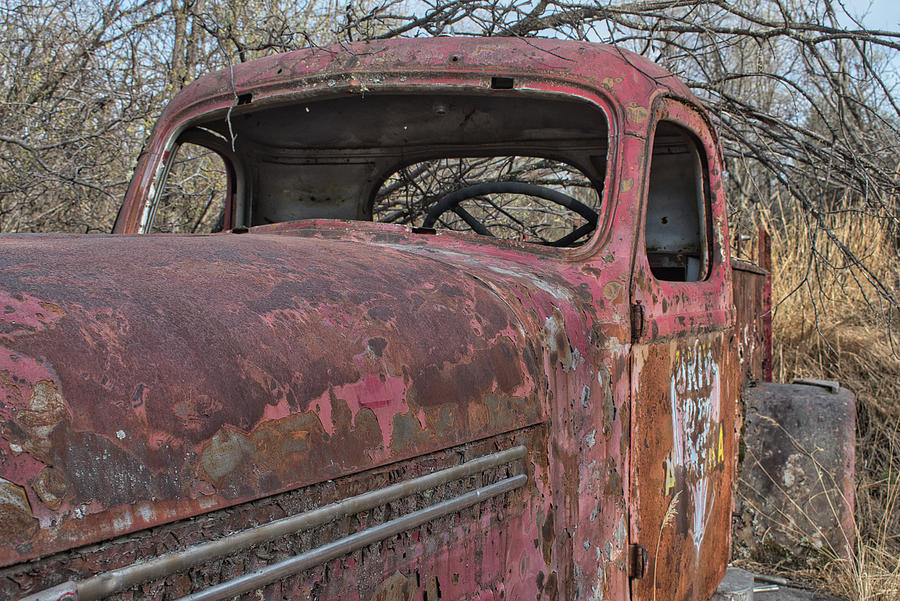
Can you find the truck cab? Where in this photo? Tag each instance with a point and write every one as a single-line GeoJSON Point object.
{"type": "Point", "coordinates": [453, 319]}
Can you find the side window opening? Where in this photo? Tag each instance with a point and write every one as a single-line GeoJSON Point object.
{"type": "Point", "coordinates": [193, 198]}
{"type": "Point", "coordinates": [530, 199]}
{"type": "Point", "coordinates": [676, 228]}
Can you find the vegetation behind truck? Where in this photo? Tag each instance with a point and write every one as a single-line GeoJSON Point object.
{"type": "Point", "coordinates": [471, 330]}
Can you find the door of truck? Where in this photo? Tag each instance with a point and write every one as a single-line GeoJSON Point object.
{"type": "Point", "coordinates": [683, 396]}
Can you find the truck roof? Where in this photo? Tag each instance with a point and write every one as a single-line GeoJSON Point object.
{"type": "Point", "coordinates": [628, 78]}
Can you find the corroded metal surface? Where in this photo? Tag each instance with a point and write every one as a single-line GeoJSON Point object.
{"type": "Point", "coordinates": [752, 322]}
{"type": "Point", "coordinates": [684, 385]}
{"type": "Point", "coordinates": [496, 525]}
{"type": "Point", "coordinates": [795, 496]}
{"type": "Point", "coordinates": [113, 581]}
{"type": "Point", "coordinates": [753, 312]}
{"type": "Point", "coordinates": [196, 373]}
{"type": "Point", "coordinates": [146, 380]}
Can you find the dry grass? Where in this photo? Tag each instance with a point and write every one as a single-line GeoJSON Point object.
{"type": "Point", "coordinates": [668, 519]}
{"type": "Point", "coordinates": [831, 323]}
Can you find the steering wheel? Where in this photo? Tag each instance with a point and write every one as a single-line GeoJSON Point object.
{"type": "Point", "coordinates": [451, 201]}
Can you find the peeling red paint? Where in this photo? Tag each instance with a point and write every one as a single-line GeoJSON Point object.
{"type": "Point", "coordinates": [236, 379]}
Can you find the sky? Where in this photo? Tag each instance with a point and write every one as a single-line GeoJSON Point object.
{"type": "Point", "coordinates": [879, 14]}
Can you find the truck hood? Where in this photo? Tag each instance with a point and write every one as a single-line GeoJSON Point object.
{"type": "Point", "coordinates": [145, 379]}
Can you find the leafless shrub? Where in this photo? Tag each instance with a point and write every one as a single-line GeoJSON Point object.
{"type": "Point", "coordinates": [82, 84]}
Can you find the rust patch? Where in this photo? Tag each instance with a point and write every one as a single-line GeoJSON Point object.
{"type": "Point", "coordinates": [551, 589]}
{"type": "Point", "coordinates": [396, 588]}
{"type": "Point", "coordinates": [232, 459]}
{"type": "Point", "coordinates": [17, 522]}
{"type": "Point", "coordinates": [557, 343]}
{"type": "Point", "coordinates": [637, 113]}
{"type": "Point", "coordinates": [33, 426]}
{"type": "Point", "coordinates": [609, 414]}
{"type": "Point", "coordinates": [226, 452]}
{"type": "Point", "coordinates": [681, 460]}
{"type": "Point", "coordinates": [432, 589]}
{"type": "Point", "coordinates": [611, 82]}
{"type": "Point", "coordinates": [612, 290]}
{"type": "Point", "coordinates": [479, 417]}
{"type": "Point", "coordinates": [548, 535]}
{"type": "Point", "coordinates": [51, 487]}
{"type": "Point", "coordinates": [627, 185]}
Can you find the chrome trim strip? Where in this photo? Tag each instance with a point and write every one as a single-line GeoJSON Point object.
{"type": "Point", "coordinates": [107, 583]}
{"type": "Point", "coordinates": [66, 591]}
{"type": "Point", "coordinates": [351, 543]}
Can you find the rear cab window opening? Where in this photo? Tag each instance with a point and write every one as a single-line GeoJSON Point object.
{"type": "Point", "coordinates": [392, 157]}
{"type": "Point", "coordinates": [416, 194]}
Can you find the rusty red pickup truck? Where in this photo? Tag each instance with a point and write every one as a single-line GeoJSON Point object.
{"type": "Point", "coordinates": [461, 321]}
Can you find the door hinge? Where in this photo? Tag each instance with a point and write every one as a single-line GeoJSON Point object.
{"type": "Point", "coordinates": [637, 561]}
{"type": "Point", "coordinates": [637, 321]}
